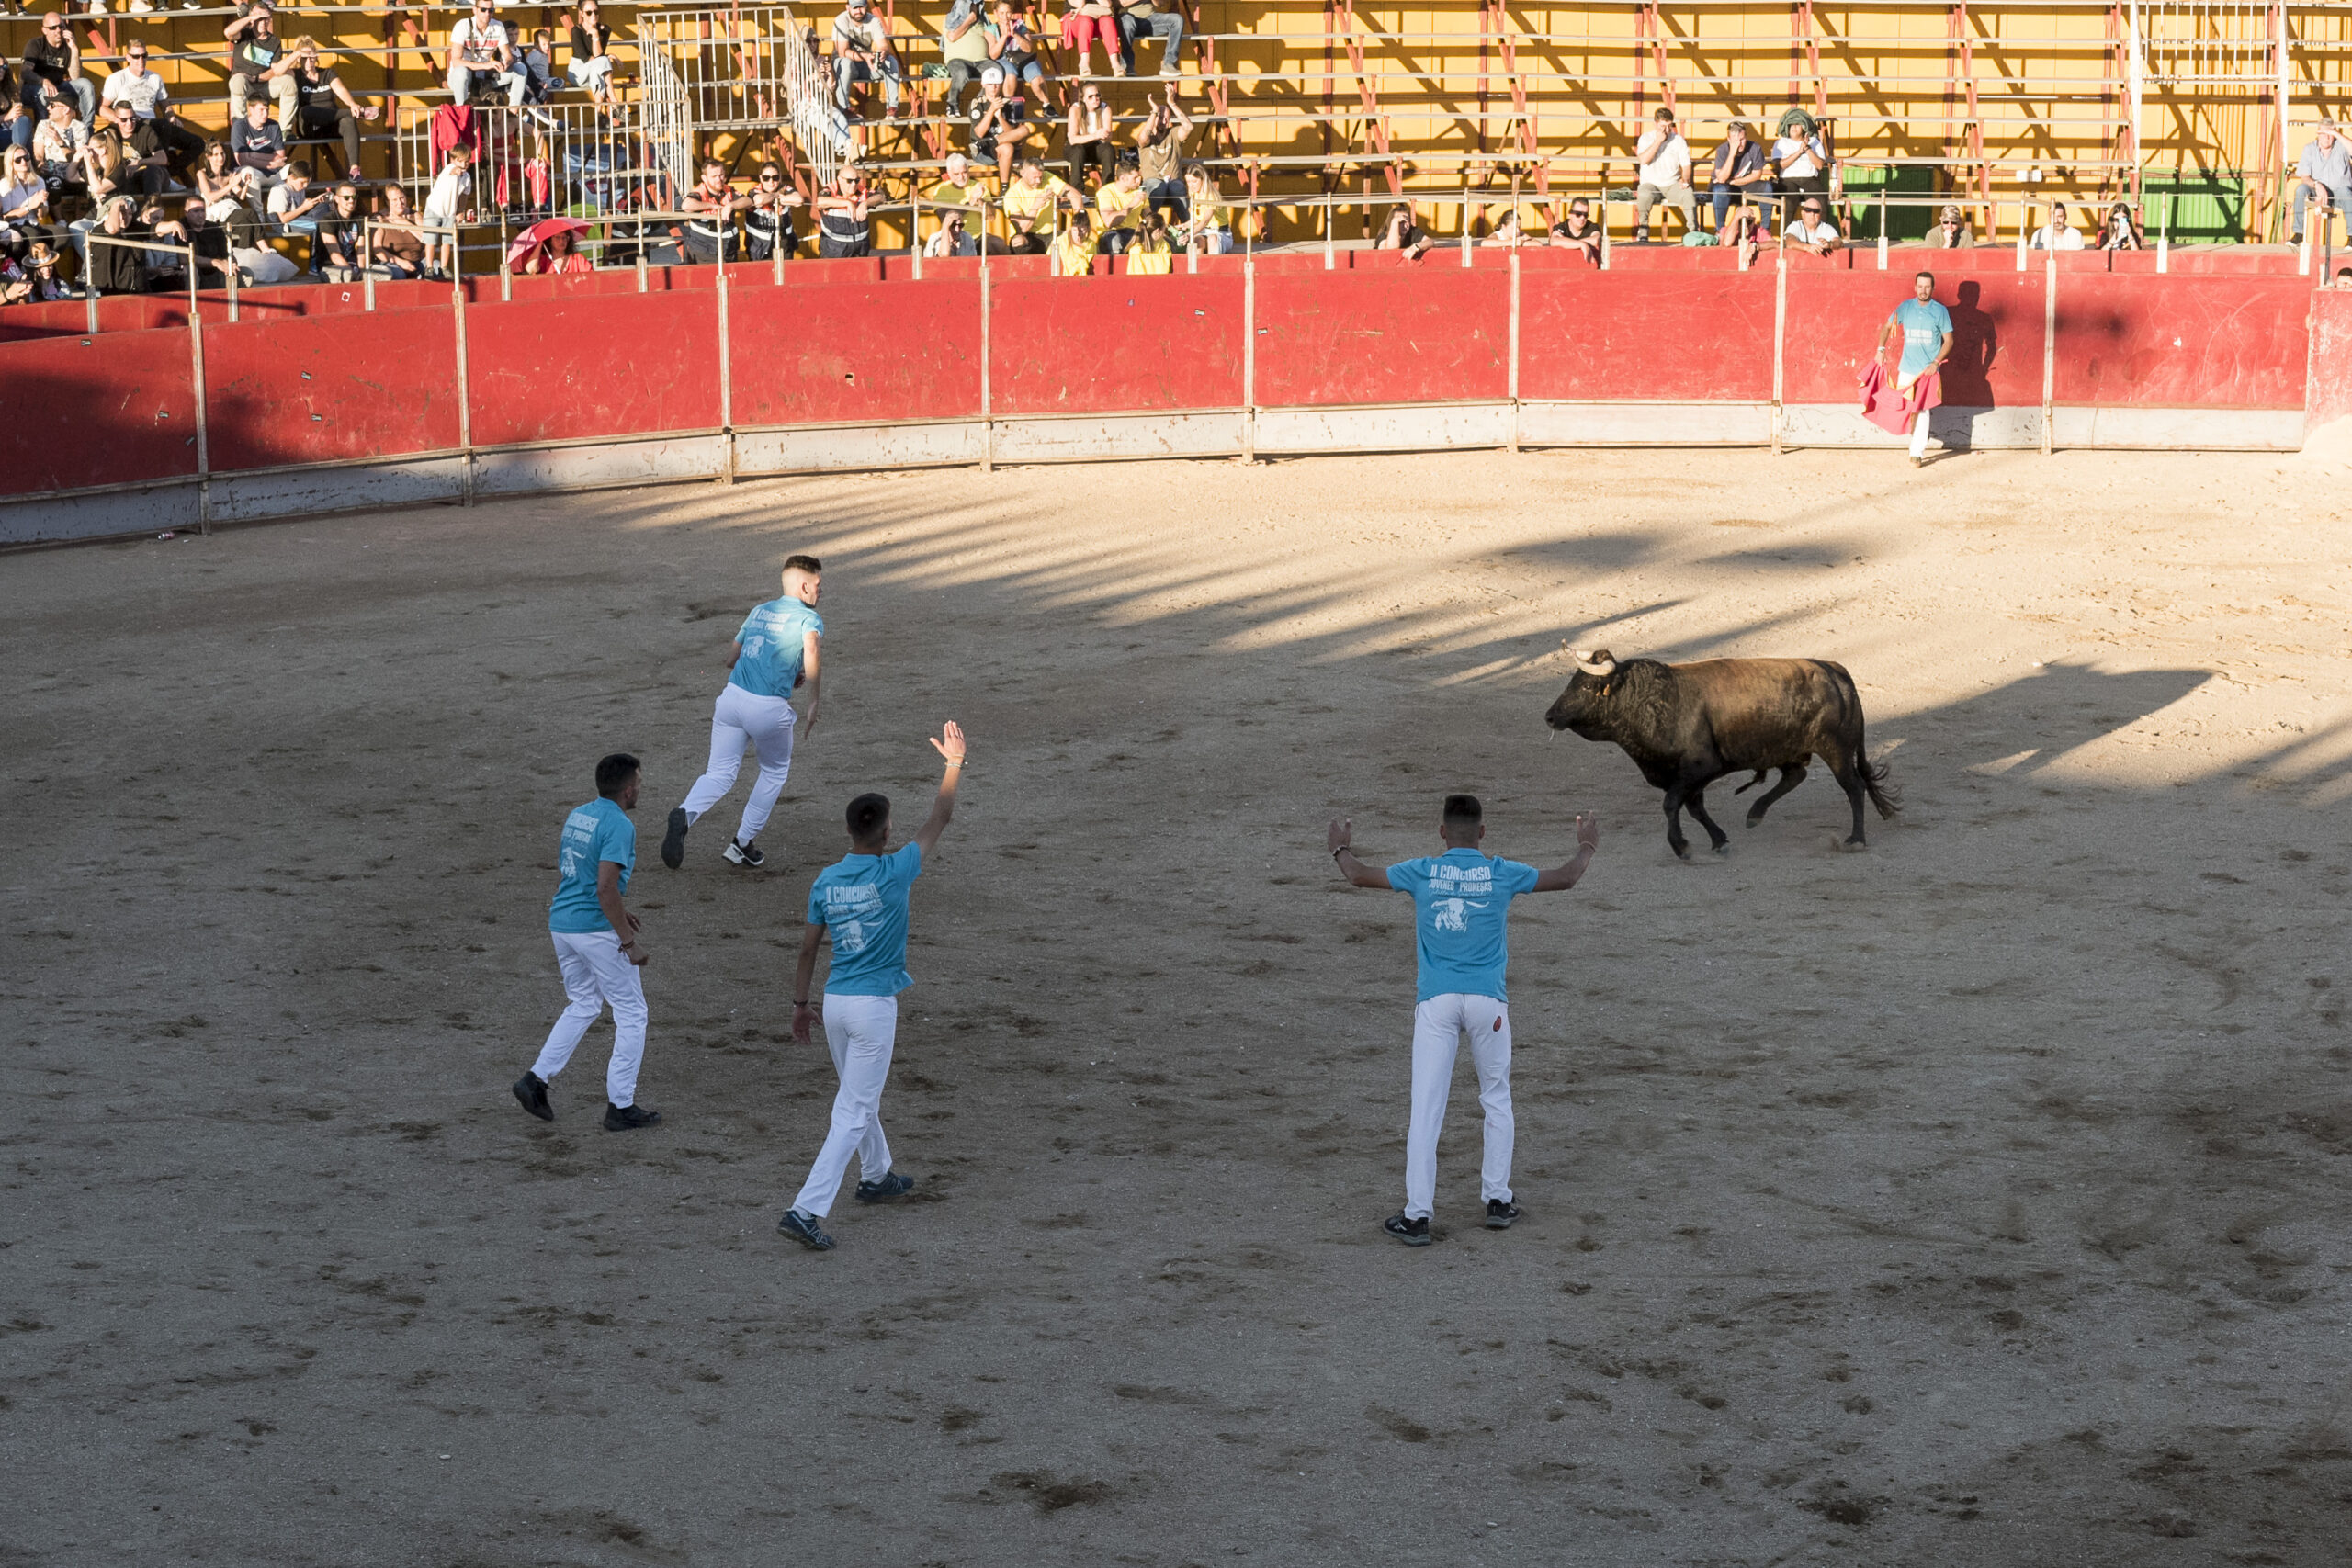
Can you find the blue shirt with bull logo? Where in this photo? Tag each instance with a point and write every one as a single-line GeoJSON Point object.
{"type": "Point", "coordinates": [1461, 900]}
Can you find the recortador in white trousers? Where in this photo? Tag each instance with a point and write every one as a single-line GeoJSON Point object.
{"type": "Point", "coordinates": [1438, 1025]}
{"type": "Point", "coordinates": [859, 1032]}
{"type": "Point", "coordinates": [737, 720]}
{"type": "Point", "coordinates": [597, 975]}
{"type": "Point", "coordinates": [1919, 423]}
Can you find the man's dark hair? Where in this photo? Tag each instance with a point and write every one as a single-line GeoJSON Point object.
{"type": "Point", "coordinates": [808, 564]}
{"type": "Point", "coordinates": [1928, 275]}
{"type": "Point", "coordinates": [869, 815]}
{"type": "Point", "coordinates": [1463, 811]}
{"type": "Point", "coordinates": [613, 773]}
{"type": "Point", "coordinates": [301, 163]}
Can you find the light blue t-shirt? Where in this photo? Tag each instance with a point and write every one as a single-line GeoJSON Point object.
{"type": "Point", "coordinates": [594, 833]}
{"type": "Point", "coordinates": [1461, 900]}
{"type": "Point", "coordinates": [1924, 326]}
{"type": "Point", "coordinates": [772, 638]}
{"type": "Point", "coordinates": [862, 899]}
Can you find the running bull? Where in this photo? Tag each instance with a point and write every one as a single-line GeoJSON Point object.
{"type": "Point", "coordinates": [1685, 725]}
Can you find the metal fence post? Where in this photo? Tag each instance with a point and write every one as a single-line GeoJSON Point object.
{"type": "Point", "coordinates": [987, 424]}
{"type": "Point", "coordinates": [1250, 356]}
{"type": "Point", "coordinates": [1779, 338]}
{"type": "Point", "coordinates": [203, 436]}
{"type": "Point", "coordinates": [726, 384]}
{"type": "Point", "coordinates": [2049, 353]}
{"type": "Point", "coordinates": [465, 399]}
{"type": "Point", "coordinates": [1511, 388]}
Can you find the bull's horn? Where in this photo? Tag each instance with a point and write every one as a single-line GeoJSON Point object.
{"type": "Point", "coordinates": [1597, 662]}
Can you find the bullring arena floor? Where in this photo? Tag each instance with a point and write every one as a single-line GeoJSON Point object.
{"type": "Point", "coordinates": [1978, 1199]}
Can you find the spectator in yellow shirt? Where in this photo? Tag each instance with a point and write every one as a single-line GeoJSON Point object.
{"type": "Point", "coordinates": [1030, 201]}
{"type": "Point", "coordinates": [1149, 251]}
{"type": "Point", "coordinates": [1118, 202]}
{"type": "Point", "coordinates": [1074, 246]}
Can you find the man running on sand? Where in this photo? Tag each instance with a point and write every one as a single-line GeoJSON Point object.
{"type": "Point", "coordinates": [775, 651]}
{"type": "Point", "coordinates": [1461, 901]}
{"type": "Point", "coordinates": [861, 902]}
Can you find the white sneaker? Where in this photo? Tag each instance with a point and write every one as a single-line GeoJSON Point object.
{"type": "Point", "coordinates": [140, 7]}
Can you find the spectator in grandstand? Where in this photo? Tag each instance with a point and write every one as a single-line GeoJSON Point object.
{"type": "Point", "coordinates": [1160, 150]}
{"type": "Point", "coordinates": [59, 142]}
{"type": "Point", "coordinates": [1506, 233]}
{"type": "Point", "coordinates": [952, 238]}
{"type": "Point", "coordinates": [115, 269]}
{"type": "Point", "coordinates": [1746, 231]}
{"type": "Point", "coordinates": [478, 46]}
{"type": "Point", "coordinates": [1577, 231]}
{"type": "Point", "coordinates": [34, 280]}
{"type": "Point", "coordinates": [1088, 135]}
{"type": "Point", "coordinates": [297, 206]}
{"type": "Point", "coordinates": [2058, 234]}
{"type": "Point", "coordinates": [1665, 160]}
{"type": "Point", "coordinates": [396, 248]}
{"type": "Point", "coordinates": [1074, 246]}
{"type": "Point", "coordinates": [144, 91]}
{"type": "Point", "coordinates": [710, 234]}
{"type": "Point", "coordinates": [1738, 172]}
{"type": "Point", "coordinates": [862, 53]}
{"type": "Point", "coordinates": [258, 144]}
{"type": "Point", "coordinates": [1150, 253]}
{"type": "Point", "coordinates": [446, 206]}
{"type": "Point", "coordinates": [963, 44]}
{"type": "Point", "coordinates": [767, 222]}
{"type": "Point", "coordinates": [2322, 176]}
{"type": "Point", "coordinates": [844, 226]}
{"type": "Point", "coordinates": [1811, 229]}
{"type": "Point", "coordinates": [1799, 156]}
{"type": "Point", "coordinates": [539, 67]}
{"type": "Point", "coordinates": [13, 113]}
{"type": "Point", "coordinates": [257, 54]}
{"type": "Point", "coordinates": [23, 202]}
{"type": "Point", "coordinates": [1399, 232]}
{"type": "Point", "coordinates": [1953, 230]}
{"type": "Point", "coordinates": [557, 255]}
{"type": "Point", "coordinates": [1083, 22]}
{"type": "Point", "coordinates": [1118, 203]}
{"type": "Point", "coordinates": [1030, 202]}
{"type": "Point", "coordinates": [1011, 44]}
{"type": "Point", "coordinates": [324, 107]}
{"type": "Point", "coordinates": [220, 186]}
{"type": "Point", "coordinates": [115, 168]}
{"type": "Point", "coordinates": [340, 251]}
{"type": "Point", "coordinates": [54, 59]}
{"type": "Point", "coordinates": [998, 118]}
{"type": "Point", "coordinates": [2122, 231]}
{"type": "Point", "coordinates": [968, 188]}
{"type": "Point", "coordinates": [1162, 19]}
{"type": "Point", "coordinates": [591, 56]}
{"type": "Point", "coordinates": [1204, 233]}
{"type": "Point", "coordinates": [241, 245]}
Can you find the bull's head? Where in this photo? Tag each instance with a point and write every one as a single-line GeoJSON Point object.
{"type": "Point", "coordinates": [1582, 707]}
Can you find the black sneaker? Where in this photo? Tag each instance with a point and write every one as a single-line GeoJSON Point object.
{"type": "Point", "coordinates": [804, 1229]}
{"type": "Point", "coordinates": [532, 1090]}
{"type": "Point", "coordinates": [1412, 1233]}
{"type": "Point", "coordinates": [1499, 1215]}
{"type": "Point", "coordinates": [621, 1118]}
{"type": "Point", "coordinates": [741, 853]}
{"type": "Point", "coordinates": [674, 842]}
{"type": "Point", "coordinates": [892, 1185]}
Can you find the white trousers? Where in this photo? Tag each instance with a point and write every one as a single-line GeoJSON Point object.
{"type": "Point", "coordinates": [1438, 1025]}
{"type": "Point", "coordinates": [737, 720]}
{"type": "Point", "coordinates": [859, 1032]}
{"type": "Point", "coordinates": [596, 975]}
{"type": "Point", "coordinates": [1919, 422]}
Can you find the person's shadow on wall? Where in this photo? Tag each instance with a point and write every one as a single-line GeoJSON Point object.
{"type": "Point", "coordinates": [1968, 372]}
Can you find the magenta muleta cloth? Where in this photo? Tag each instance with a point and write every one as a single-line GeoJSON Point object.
{"type": "Point", "coordinates": [1892, 410]}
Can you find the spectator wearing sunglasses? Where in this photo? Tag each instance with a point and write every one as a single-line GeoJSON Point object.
{"type": "Point", "coordinates": [592, 57]}
{"type": "Point", "coordinates": [767, 222]}
{"type": "Point", "coordinates": [1952, 231]}
{"type": "Point", "coordinates": [1578, 232]}
{"type": "Point", "coordinates": [844, 228]}
{"type": "Point", "coordinates": [150, 103]}
{"type": "Point", "coordinates": [1811, 229]}
{"type": "Point", "coordinates": [54, 59]}
{"type": "Point", "coordinates": [257, 54]}
{"type": "Point", "coordinates": [479, 47]}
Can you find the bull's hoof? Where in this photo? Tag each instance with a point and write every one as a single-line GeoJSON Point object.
{"type": "Point", "coordinates": [1681, 852]}
{"type": "Point", "coordinates": [1852, 846]}
{"type": "Point", "coordinates": [1724, 848]}
{"type": "Point", "coordinates": [1753, 817]}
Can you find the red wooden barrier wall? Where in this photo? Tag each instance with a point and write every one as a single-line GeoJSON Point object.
{"type": "Point", "coordinates": [1116, 345]}
{"type": "Point", "coordinates": [614, 365]}
{"type": "Point", "coordinates": [97, 411]}
{"type": "Point", "coordinates": [2234, 342]}
{"type": "Point", "coordinates": [1998, 334]}
{"type": "Point", "coordinates": [1595, 337]}
{"type": "Point", "coordinates": [844, 352]}
{"type": "Point", "coordinates": [1429, 336]}
{"type": "Point", "coordinates": [322, 389]}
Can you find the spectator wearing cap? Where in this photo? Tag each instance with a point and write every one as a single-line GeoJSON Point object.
{"type": "Point", "coordinates": [2322, 176]}
{"type": "Point", "coordinates": [963, 44]}
{"type": "Point", "coordinates": [2058, 234]}
{"type": "Point", "coordinates": [149, 98]}
{"type": "Point", "coordinates": [1665, 160]}
{"type": "Point", "coordinates": [1738, 172]}
{"type": "Point", "coordinates": [1030, 204]}
{"type": "Point", "coordinates": [1086, 21]}
{"type": "Point", "coordinates": [480, 46]}
{"type": "Point", "coordinates": [845, 226]}
{"type": "Point", "coordinates": [59, 142]}
{"type": "Point", "coordinates": [999, 122]}
{"type": "Point", "coordinates": [324, 107]}
{"type": "Point", "coordinates": [36, 281]}
{"type": "Point", "coordinates": [1011, 45]}
{"type": "Point", "coordinates": [258, 144]}
{"type": "Point", "coordinates": [862, 52]}
{"type": "Point", "coordinates": [767, 222]}
{"type": "Point", "coordinates": [1952, 231]}
{"type": "Point", "coordinates": [54, 59]}
{"type": "Point", "coordinates": [1811, 229]}
{"type": "Point", "coordinates": [1577, 231]}
{"type": "Point", "coordinates": [257, 54]}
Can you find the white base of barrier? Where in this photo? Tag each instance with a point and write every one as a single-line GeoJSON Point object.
{"type": "Point", "coordinates": [261, 494]}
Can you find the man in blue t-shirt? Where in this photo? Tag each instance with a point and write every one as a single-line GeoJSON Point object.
{"type": "Point", "coordinates": [775, 651]}
{"type": "Point", "coordinates": [861, 902]}
{"type": "Point", "coordinates": [1924, 329]}
{"type": "Point", "coordinates": [595, 946]}
{"type": "Point", "coordinates": [1461, 902]}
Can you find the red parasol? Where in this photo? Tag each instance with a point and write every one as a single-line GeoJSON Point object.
{"type": "Point", "coordinates": [526, 244]}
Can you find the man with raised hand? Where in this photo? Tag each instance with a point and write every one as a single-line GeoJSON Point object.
{"type": "Point", "coordinates": [773, 653]}
{"type": "Point", "coordinates": [861, 902]}
{"type": "Point", "coordinates": [1461, 902]}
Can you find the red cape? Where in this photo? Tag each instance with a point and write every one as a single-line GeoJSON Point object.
{"type": "Point", "coordinates": [1891, 411]}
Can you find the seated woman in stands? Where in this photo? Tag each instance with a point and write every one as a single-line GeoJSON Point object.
{"type": "Point", "coordinates": [1508, 232]}
{"type": "Point", "coordinates": [398, 247]}
{"type": "Point", "coordinates": [591, 58]}
{"type": "Point", "coordinates": [1011, 45]}
{"type": "Point", "coordinates": [555, 254]}
{"type": "Point", "coordinates": [24, 203]}
{"type": "Point", "coordinates": [1083, 21]}
{"type": "Point", "coordinates": [1029, 203]}
{"type": "Point", "coordinates": [221, 186]}
{"type": "Point", "coordinates": [2124, 232]}
{"type": "Point", "coordinates": [1399, 232]}
{"type": "Point", "coordinates": [1149, 252]}
{"type": "Point", "coordinates": [1074, 246]}
{"type": "Point", "coordinates": [1203, 232]}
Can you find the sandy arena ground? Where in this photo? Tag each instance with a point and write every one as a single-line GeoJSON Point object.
{"type": "Point", "coordinates": [1978, 1199]}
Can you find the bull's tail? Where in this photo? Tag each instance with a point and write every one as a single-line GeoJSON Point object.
{"type": "Point", "coordinates": [1877, 778]}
